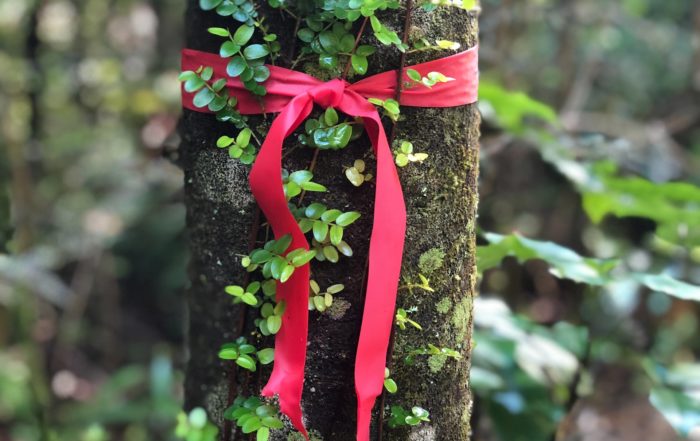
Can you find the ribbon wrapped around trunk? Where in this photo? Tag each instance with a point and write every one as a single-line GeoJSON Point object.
{"type": "Point", "coordinates": [293, 94]}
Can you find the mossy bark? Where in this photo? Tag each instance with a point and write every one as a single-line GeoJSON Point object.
{"type": "Point", "coordinates": [441, 197]}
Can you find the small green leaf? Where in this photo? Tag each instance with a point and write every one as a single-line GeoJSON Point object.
{"type": "Point", "coordinates": [329, 41]}
{"type": "Point", "coordinates": [327, 61]}
{"type": "Point", "coordinates": [274, 323]}
{"type": "Point", "coordinates": [390, 386]}
{"type": "Point", "coordinates": [336, 234]}
{"type": "Point", "coordinates": [208, 5]}
{"type": "Point", "coordinates": [203, 98]}
{"type": "Point", "coordinates": [255, 51]}
{"type": "Point", "coordinates": [246, 362]}
{"type": "Point", "coordinates": [319, 304]}
{"type": "Point", "coordinates": [266, 310]}
{"type": "Point", "coordinates": [282, 244]}
{"type": "Point", "coordinates": [266, 356]}
{"type": "Point", "coordinates": [359, 64]}
{"type": "Point", "coordinates": [412, 421]}
{"type": "Point", "coordinates": [392, 106]}
{"type": "Point", "coordinates": [228, 49]}
{"type": "Point", "coordinates": [243, 138]}
{"type": "Point", "coordinates": [306, 35]}
{"type": "Point", "coordinates": [413, 74]}
{"type": "Point", "coordinates": [272, 422]}
{"type": "Point", "coordinates": [236, 66]}
{"type": "Point", "coordinates": [365, 50]}
{"type": "Point", "coordinates": [260, 256]}
{"type": "Point", "coordinates": [228, 354]}
{"type": "Point", "coordinates": [320, 230]}
{"type": "Point", "coordinates": [251, 425]}
{"type": "Point", "coordinates": [243, 35]}
{"type": "Point", "coordinates": [261, 73]}
{"type": "Point", "coordinates": [249, 299]}
{"type": "Point", "coordinates": [330, 215]}
{"type": "Point", "coordinates": [315, 210]}
{"type": "Point", "coordinates": [194, 84]}
{"type": "Point", "coordinates": [286, 273]}
{"type": "Point", "coordinates": [304, 258]}
{"type": "Point", "coordinates": [335, 289]}
{"type": "Point", "coordinates": [330, 117]}
{"type": "Point", "coordinates": [419, 412]}
{"type": "Point", "coordinates": [234, 290]}
{"type": "Point", "coordinates": [224, 141]}
{"type": "Point", "coordinates": [401, 160]}
{"type": "Point", "coordinates": [330, 253]}
{"type": "Point", "coordinates": [263, 434]}
{"type": "Point", "coordinates": [221, 32]}
{"type": "Point", "coordinates": [301, 176]}
{"type": "Point", "coordinates": [344, 249]}
{"type": "Point", "coordinates": [348, 218]}
{"type": "Point", "coordinates": [313, 186]}
{"type": "Point", "coordinates": [354, 176]}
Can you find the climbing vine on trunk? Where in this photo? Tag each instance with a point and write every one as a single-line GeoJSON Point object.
{"type": "Point", "coordinates": [329, 35]}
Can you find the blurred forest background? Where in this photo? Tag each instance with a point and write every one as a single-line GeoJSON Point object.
{"type": "Point", "coordinates": [587, 324]}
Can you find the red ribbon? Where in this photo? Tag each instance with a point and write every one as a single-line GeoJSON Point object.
{"type": "Point", "coordinates": [293, 94]}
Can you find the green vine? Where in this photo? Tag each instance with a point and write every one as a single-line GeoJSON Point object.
{"type": "Point", "coordinates": [328, 34]}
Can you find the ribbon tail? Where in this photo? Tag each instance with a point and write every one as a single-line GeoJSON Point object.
{"type": "Point", "coordinates": [287, 378]}
{"type": "Point", "coordinates": [385, 253]}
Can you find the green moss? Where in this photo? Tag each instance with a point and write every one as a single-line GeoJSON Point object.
{"type": "Point", "coordinates": [296, 436]}
{"type": "Point", "coordinates": [338, 309]}
{"type": "Point", "coordinates": [436, 362]}
{"type": "Point", "coordinates": [431, 261]}
{"type": "Point", "coordinates": [461, 318]}
{"type": "Point", "coordinates": [444, 305]}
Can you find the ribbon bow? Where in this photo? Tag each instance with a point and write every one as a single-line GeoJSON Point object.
{"type": "Point", "coordinates": [293, 95]}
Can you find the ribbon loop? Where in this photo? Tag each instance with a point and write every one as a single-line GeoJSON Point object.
{"type": "Point", "coordinates": [328, 94]}
{"type": "Point", "coordinates": [293, 94]}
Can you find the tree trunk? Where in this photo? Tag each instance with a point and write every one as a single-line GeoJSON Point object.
{"type": "Point", "coordinates": [441, 198]}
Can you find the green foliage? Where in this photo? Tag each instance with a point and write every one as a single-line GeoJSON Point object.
{"type": "Point", "coordinates": [245, 354]}
{"type": "Point", "coordinates": [356, 174]}
{"type": "Point", "coordinates": [523, 370]}
{"type": "Point", "coordinates": [247, 61]}
{"type": "Point", "coordinates": [566, 264]}
{"type": "Point", "coordinates": [674, 393]}
{"type": "Point", "coordinates": [299, 181]}
{"type": "Point", "coordinates": [402, 319]}
{"type": "Point", "coordinates": [402, 417]}
{"type": "Point", "coordinates": [673, 206]}
{"type": "Point", "coordinates": [239, 147]}
{"type": "Point", "coordinates": [510, 109]}
{"type": "Point", "coordinates": [328, 227]}
{"type": "Point", "coordinates": [195, 426]}
{"type": "Point", "coordinates": [275, 262]}
{"type": "Point", "coordinates": [253, 415]}
{"type": "Point", "coordinates": [328, 133]}
{"type": "Point", "coordinates": [404, 155]}
{"type": "Point", "coordinates": [432, 78]}
{"type": "Point", "coordinates": [389, 383]}
{"type": "Point", "coordinates": [322, 300]}
{"type": "Point", "coordinates": [431, 350]}
{"type": "Point", "coordinates": [390, 107]}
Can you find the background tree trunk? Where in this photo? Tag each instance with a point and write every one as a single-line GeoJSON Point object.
{"type": "Point", "coordinates": [441, 197]}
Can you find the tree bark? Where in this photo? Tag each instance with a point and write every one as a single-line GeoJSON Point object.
{"type": "Point", "coordinates": [441, 198]}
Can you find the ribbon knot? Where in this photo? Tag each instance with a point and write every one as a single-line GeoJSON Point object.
{"type": "Point", "coordinates": [328, 94]}
{"type": "Point", "coordinates": [293, 95]}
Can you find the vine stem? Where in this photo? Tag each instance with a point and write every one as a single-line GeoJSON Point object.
{"type": "Point", "coordinates": [354, 48]}
{"type": "Point", "coordinates": [399, 91]}
{"type": "Point", "coordinates": [233, 370]}
{"type": "Point", "coordinates": [314, 159]}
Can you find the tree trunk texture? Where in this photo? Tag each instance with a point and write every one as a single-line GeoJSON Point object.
{"type": "Point", "coordinates": [441, 198]}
